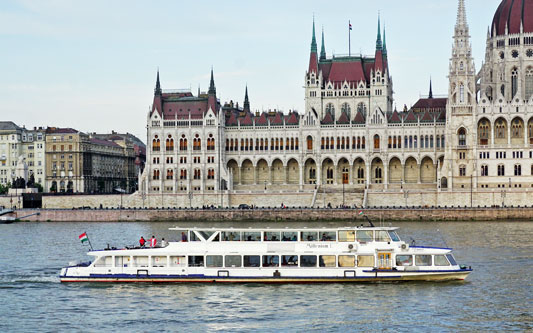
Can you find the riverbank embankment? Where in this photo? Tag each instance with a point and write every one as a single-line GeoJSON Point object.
{"type": "Point", "coordinates": [281, 215]}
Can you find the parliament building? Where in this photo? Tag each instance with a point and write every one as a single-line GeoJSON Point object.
{"type": "Point", "coordinates": [350, 137]}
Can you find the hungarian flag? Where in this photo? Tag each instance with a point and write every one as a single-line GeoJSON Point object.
{"type": "Point", "coordinates": [83, 237]}
{"type": "Point", "coordinates": [350, 25]}
{"type": "Point", "coordinates": [361, 212]}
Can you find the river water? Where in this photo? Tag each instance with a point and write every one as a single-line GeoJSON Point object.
{"type": "Point", "coordinates": [497, 295]}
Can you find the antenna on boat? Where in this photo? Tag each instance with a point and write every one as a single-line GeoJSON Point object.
{"type": "Point", "coordinates": [369, 222]}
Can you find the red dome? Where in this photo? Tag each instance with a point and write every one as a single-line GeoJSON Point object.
{"type": "Point", "coordinates": [511, 14]}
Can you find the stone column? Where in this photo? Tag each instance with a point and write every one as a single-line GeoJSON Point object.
{"type": "Point", "coordinates": [350, 174]}
{"type": "Point", "coordinates": [256, 172]}
{"type": "Point", "coordinates": [335, 174]}
{"type": "Point", "coordinates": [508, 133]}
{"type": "Point", "coordinates": [419, 166]}
{"type": "Point", "coordinates": [368, 174]}
{"type": "Point", "coordinates": [301, 182]}
{"type": "Point", "coordinates": [240, 175]}
{"type": "Point", "coordinates": [270, 171]}
{"type": "Point", "coordinates": [492, 135]}
{"type": "Point", "coordinates": [386, 175]}
{"type": "Point", "coordinates": [286, 173]}
{"type": "Point", "coordinates": [319, 174]}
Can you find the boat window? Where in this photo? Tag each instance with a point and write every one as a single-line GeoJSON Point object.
{"type": "Point", "coordinates": [231, 236]}
{"type": "Point", "coordinates": [346, 261]}
{"type": "Point", "coordinates": [404, 260]}
{"type": "Point", "coordinates": [346, 236]}
{"type": "Point", "coordinates": [251, 261]}
{"type": "Point", "coordinates": [196, 261]}
{"type": "Point", "coordinates": [270, 261]}
{"type": "Point", "coordinates": [140, 261]}
{"type": "Point", "coordinates": [382, 236]}
{"type": "Point", "coordinates": [365, 261]}
{"type": "Point", "coordinates": [308, 261]}
{"type": "Point", "coordinates": [122, 261]}
{"type": "Point", "coordinates": [233, 261]}
{"type": "Point", "coordinates": [364, 236]}
{"type": "Point", "coordinates": [309, 236]}
{"type": "Point", "coordinates": [423, 260]}
{"type": "Point", "coordinates": [216, 238]}
{"type": "Point", "coordinates": [327, 236]}
{"type": "Point", "coordinates": [206, 233]}
{"type": "Point", "coordinates": [103, 262]}
{"type": "Point", "coordinates": [327, 261]}
{"type": "Point", "coordinates": [213, 261]}
{"type": "Point", "coordinates": [451, 259]}
{"type": "Point", "coordinates": [291, 260]}
{"type": "Point", "coordinates": [176, 261]}
{"type": "Point", "coordinates": [272, 236]}
{"type": "Point", "coordinates": [251, 236]}
{"type": "Point", "coordinates": [440, 260]}
{"type": "Point", "coordinates": [289, 236]}
{"type": "Point", "coordinates": [194, 237]}
{"type": "Point", "coordinates": [159, 261]}
{"type": "Point", "coordinates": [394, 236]}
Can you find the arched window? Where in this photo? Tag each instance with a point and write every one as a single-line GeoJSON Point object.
{"type": "Point", "coordinates": [156, 144]}
{"type": "Point", "coordinates": [197, 174]}
{"type": "Point", "coordinates": [347, 109]}
{"type": "Point", "coordinates": [416, 142]}
{"type": "Point", "coordinates": [518, 170]}
{"type": "Point", "coordinates": [156, 174]}
{"type": "Point", "coordinates": [376, 142]}
{"type": "Point", "coordinates": [484, 170]}
{"type": "Point", "coordinates": [516, 128]}
{"type": "Point", "coordinates": [462, 137]}
{"type": "Point", "coordinates": [211, 174]}
{"type": "Point", "coordinates": [169, 144]}
{"type": "Point", "coordinates": [183, 174]}
{"type": "Point", "coordinates": [501, 170]}
{"type": "Point", "coordinates": [442, 142]}
{"type": "Point", "coordinates": [170, 174]}
{"type": "Point", "coordinates": [309, 143]}
{"type": "Point", "coordinates": [331, 109]}
{"type": "Point", "coordinates": [183, 143]}
{"type": "Point", "coordinates": [361, 107]}
{"type": "Point", "coordinates": [483, 132]}
{"type": "Point", "coordinates": [462, 170]}
{"type": "Point", "coordinates": [210, 142]}
{"type": "Point", "coordinates": [514, 82]}
{"type": "Point", "coordinates": [331, 143]}
{"type": "Point", "coordinates": [297, 144]}
{"type": "Point", "coordinates": [500, 128]}
{"type": "Point", "coordinates": [529, 83]}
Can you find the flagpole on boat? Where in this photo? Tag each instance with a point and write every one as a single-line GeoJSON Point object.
{"type": "Point", "coordinates": [89, 240]}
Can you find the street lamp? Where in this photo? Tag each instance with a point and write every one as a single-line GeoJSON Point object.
{"type": "Point", "coordinates": [265, 185]}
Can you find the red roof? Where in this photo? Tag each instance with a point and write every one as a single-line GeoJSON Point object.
{"type": "Point", "coordinates": [431, 103]}
{"type": "Point", "coordinates": [277, 119]}
{"type": "Point", "coordinates": [359, 118]}
{"type": "Point", "coordinates": [512, 14]}
{"type": "Point", "coordinates": [246, 120]}
{"type": "Point", "coordinates": [328, 119]}
{"type": "Point", "coordinates": [426, 117]}
{"type": "Point", "coordinates": [343, 119]}
{"type": "Point", "coordinates": [313, 63]}
{"type": "Point", "coordinates": [232, 121]}
{"type": "Point", "coordinates": [262, 121]}
{"type": "Point", "coordinates": [104, 142]}
{"type": "Point", "coordinates": [292, 118]}
{"type": "Point", "coordinates": [395, 117]}
{"type": "Point", "coordinates": [351, 71]}
{"type": "Point", "coordinates": [410, 118]}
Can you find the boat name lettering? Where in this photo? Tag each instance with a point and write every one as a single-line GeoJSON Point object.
{"type": "Point", "coordinates": [318, 246]}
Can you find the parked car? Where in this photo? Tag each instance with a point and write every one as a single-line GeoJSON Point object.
{"type": "Point", "coordinates": [244, 206]}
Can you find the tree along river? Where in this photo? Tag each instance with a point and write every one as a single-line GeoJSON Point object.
{"type": "Point", "coordinates": [496, 296]}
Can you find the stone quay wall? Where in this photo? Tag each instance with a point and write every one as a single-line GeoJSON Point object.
{"type": "Point", "coordinates": [303, 199]}
{"type": "Point", "coordinates": [280, 215]}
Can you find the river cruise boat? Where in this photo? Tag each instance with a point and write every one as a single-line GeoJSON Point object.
{"type": "Point", "coordinates": [357, 254]}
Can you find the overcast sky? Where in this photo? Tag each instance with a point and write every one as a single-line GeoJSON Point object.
{"type": "Point", "coordinates": [91, 65]}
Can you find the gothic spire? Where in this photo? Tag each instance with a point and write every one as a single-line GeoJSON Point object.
{"type": "Point", "coordinates": [384, 41]}
{"type": "Point", "coordinates": [461, 14]}
{"type": "Point", "coordinates": [157, 90]}
{"type": "Point", "coordinates": [246, 101]}
{"type": "Point", "coordinates": [323, 48]}
{"type": "Point", "coordinates": [313, 41]}
{"type": "Point", "coordinates": [212, 89]}
{"type": "Point", "coordinates": [430, 88]}
{"type": "Point", "coordinates": [379, 45]}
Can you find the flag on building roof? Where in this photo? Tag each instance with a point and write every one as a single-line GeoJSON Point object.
{"type": "Point", "coordinates": [83, 237]}
{"type": "Point", "coordinates": [350, 25]}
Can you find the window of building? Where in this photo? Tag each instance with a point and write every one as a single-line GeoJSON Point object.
{"type": "Point", "coordinates": [462, 170]}
{"type": "Point", "coordinates": [462, 137]}
{"type": "Point", "coordinates": [484, 170]}
{"type": "Point", "coordinates": [501, 170]}
{"type": "Point", "coordinates": [518, 170]}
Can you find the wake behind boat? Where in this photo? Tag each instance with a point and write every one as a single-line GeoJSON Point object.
{"type": "Point", "coordinates": [355, 254]}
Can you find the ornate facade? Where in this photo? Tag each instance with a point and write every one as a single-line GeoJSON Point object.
{"type": "Point", "coordinates": [349, 135]}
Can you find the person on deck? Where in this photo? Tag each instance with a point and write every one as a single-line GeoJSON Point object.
{"type": "Point", "coordinates": [183, 237]}
{"type": "Point", "coordinates": [153, 241]}
{"type": "Point", "coordinates": [142, 241]}
{"type": "Point", "coordinates": [163, 242]}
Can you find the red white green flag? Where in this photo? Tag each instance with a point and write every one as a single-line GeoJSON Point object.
{"type": "Point", "coordinates": [83, 237]}
{"type": "Point", "coordinates": [361, 212]}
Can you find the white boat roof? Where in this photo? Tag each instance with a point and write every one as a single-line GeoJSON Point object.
{"type": "Point", "coordinates": [284, 229]}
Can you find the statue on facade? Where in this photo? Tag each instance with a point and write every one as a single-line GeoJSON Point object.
{"type": "Point", "coordinates": [22, 168]}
